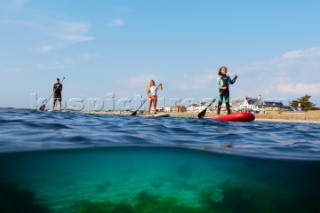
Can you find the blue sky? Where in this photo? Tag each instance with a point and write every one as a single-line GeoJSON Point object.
{"type": "Point", "coordinates": [117, 46]}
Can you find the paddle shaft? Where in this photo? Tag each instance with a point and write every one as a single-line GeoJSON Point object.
{"type": "Point", "coordinates": [213, 100]}
{"type": "Point", "coordinates": [135, 112]}
{"type": "Point", "coordinates": [203, 112]}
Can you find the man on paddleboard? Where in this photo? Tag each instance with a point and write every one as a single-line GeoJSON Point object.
{"type": "Point", "coordinates": [223, 82]}
{"type": "Point", "coordinates": [57, 89]}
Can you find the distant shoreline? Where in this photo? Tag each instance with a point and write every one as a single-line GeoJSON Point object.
{"type": "Point", "coordinates": [312, 116]}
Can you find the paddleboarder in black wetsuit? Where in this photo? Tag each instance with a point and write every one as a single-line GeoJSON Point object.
{"type": "Point", "coordinates": [223, 82]}
{"type": "Point", "coordinates": [57, 89]}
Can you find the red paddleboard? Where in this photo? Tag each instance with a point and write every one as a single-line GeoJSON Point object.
{"type": "Point", "coordinates": [238, 116]}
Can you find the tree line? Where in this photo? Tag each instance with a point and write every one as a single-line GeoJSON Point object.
{"type": "Point", "coordinates": [303, 102]}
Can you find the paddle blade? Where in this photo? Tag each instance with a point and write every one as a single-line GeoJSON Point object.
{"type": "Point", "coordinates": [202, 113]}
{"type": "Point", "coordinates": [42, 107]}
{"type": "Point", "coordinates": [134, 113]}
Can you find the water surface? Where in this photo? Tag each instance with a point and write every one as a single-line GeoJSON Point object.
{"type": "Point", "coordinates": [74, 162]}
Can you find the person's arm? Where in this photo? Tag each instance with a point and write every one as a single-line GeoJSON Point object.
{"type": "Point", "coordinates": [218, 83]}
{"type": "Point", "coordinates": [234, 79]}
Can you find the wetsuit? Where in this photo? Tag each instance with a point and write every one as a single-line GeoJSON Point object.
{"type": "Point", "coordinates": [224, 81]}
{"type": "Point", "coordinates": [57, 88]}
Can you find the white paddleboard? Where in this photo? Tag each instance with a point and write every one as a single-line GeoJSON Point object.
{"type": "Point", "coordinates": [50, 110]}
{"type": "Point", "coordinates": [157, 115]}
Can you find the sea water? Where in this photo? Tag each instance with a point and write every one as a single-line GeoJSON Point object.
{"type": "Point", "coordinates": [75, 162]}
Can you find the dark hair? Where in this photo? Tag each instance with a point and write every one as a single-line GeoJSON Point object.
{"type": "Point", "coordinates": [219, 73]}
{"type": "Point", "coordinates": [58, 79]}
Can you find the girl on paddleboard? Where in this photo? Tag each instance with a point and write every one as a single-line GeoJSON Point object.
{"type": "Point", "coordinates": [152, 95]}
{"type": "Point", "coordinates": [223, 82]}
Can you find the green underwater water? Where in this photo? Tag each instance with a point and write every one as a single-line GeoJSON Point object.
{"type": "Point", "coordinates": [155, 179]}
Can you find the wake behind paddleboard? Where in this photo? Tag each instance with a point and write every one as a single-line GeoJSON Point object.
{"type": "Point", "coordinates": [238, 116]}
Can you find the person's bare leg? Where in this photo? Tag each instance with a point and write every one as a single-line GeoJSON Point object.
{"type": "Point", "coordinates": [149, 105]}
{"type": "Point", "coordinates": [155, 106]}
{"type": "Point", "coordinates": [60, 104]}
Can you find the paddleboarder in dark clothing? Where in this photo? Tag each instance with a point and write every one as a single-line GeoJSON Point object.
{"type": "Point", "coordinates": [223, 82]}
{"type": "Point", "coordinates": [57, 89]}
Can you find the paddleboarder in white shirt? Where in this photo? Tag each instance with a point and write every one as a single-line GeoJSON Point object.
{"type": "Point", "coordinates": [153, 95]}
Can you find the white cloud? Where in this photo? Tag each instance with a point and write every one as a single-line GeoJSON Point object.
{"type": "Point", "coordinates": [9, 6]}
{"type": "Point", "coordinates": [49, 47]}
{"type": "Point", "coordinates": [140, 80]}
{"type": "Point", "coordinates": [66, 33]}
{"type": "Point", "coordinates": [19, 3]}
{"type": "Point", "coordinates": [55, 65]}
{"type": "Point", "coordinates": [199, 81]}
{"type": "Point", "coordinates": [72, 32]}
{"type": "Point", "coordinates": [300, 88]}
{"type": "Point", "coordinates": [292, 55]}
{"type": "Point", "coordinates": [299, 54]}
{"type": "Point", "coordinates": [20, 23]}
{"type": "Point", "coordinates": [87, 56]}
{"type": "Point", "coordinates": [117, 22]}
{"type": "Point", "coordinates": [9, 70]}
{"type": "Point", "coordinates": [291, 74]}
{"type": "Point", "coordinates": [288, 61]}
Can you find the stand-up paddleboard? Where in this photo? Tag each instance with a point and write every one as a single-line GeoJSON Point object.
{"type": "Point", "coordinates": [239, 116]}
{"type": "Point", "coordinates": [53, 110]}
{"type": "Point", "coordinates": [157, 115]}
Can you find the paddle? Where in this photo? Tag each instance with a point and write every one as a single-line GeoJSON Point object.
{"type": "Point", "coordinates": [46, 101]}
{"type": "Point", "coordinates": [203, 112]}
{"type": "Point", "coordinates": [135, 112]}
